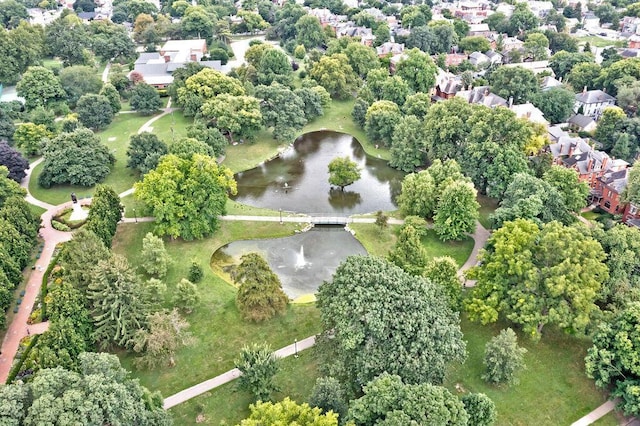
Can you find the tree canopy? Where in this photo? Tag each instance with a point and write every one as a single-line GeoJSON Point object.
{"type": "Point", "coordinates": [383, 319]}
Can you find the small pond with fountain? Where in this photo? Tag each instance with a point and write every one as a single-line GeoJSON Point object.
{"type": "Point", "coordinates": [297, 181]}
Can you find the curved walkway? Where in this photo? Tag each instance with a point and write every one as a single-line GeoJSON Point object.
{"type": "Point", "coordinates": [146, 127]}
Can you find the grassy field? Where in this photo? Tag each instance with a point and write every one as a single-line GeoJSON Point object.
{"type": "Point", "coordinates": [171, 127]}
{"type": "Point", "coordinates": [600, 42]}
{"type": "Point", "coordinates": [379, 243]}
{"type": "Point", "coordinates": [116, 137]}
{"type": "Point", "coordinates": [227, 405]}
{"type": "Point", "coordinates": [216, 324]}
{"type": "Point", "coordinates": [247, 155]}
{"type": "Point", "coordinates": [487, 206]}
{"type": "Point", "coordinates": [554, 389]}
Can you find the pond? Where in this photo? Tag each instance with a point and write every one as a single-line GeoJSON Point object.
{"type": "Point", "coordinates": [298, 179]}
{"type": "Point", "coordinates": [302, 261]}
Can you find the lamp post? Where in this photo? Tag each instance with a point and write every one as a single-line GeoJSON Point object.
{"type": "Point", "coordinates": [134, 215]}
{"type": "Point", "coordinates": [295, 348]}
{"type": "Point", "coordinates": [280, 210]}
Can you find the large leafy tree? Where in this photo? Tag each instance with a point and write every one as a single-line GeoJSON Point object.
{"type": "Point", "coordinates": [80, 256]}
{"type": "Point", "coordinates": [383, 319]}
{"type": "Point", "coordinates": [343, 172]}
{"type": "Point", "coordinates": [7, 128]}
{"type": "Point", "coordinates": [77, 158]}
{"type": "Point", "coordinates": [623, 70]}
{"type": "Point", "coordinates": [407, 144]}
{"type": "Point", "coordinates": [563, 62]}
{"type": "Point", "coordinates": [381, 120]}
{"type": "Point", "coordinates": [144, 151]}
{"type": "Point", "coordinates": [480, 408]}
{"type": "Point", "coordinates": [503, 358]}
{"type": "Point", "coordinates": [281, 109]}
{"type": "Point", "coordinates": [39, 86]}
{"type": "Point", "coordinates": [274, 65]}
{"type": "Point", "coordinates": [328, 395]}
{"type": "Point", "coordinates": [67, 38]}
{"type": "Point", "coordinates": [457, 211]}
{"type": "Point", "coordinates": [288, 412]}
{"type": "Point", "coordinates": [204, 85]}
{"type": "Point", "coordinates": [236, 115]}
{"type": "Point", "coordinates": [260, 296]}
{"type": "Point", "coordinates": [145, 99]}
{"type": "Point", "coordinates": [536, 276]}
{"type": "Point", "coordinates": [155, 258]}
{"type": "Point", "coordinates": [447, 128]}
{"type": "Point", "coordinates": [101, 392]}
{"type": "Point", "coordinates": [613, 359]}
{"type": "Point", "coordinates": [556, 104]}
{"type": "Point", "coordinates": [20, 48]}
{"type": "Point", "coordinates": [387, 400]}
{"type": "Point", "coordinates": [111, 42]}
{"type": "Point", "coordinates": [186, 195]}
{"type": "Point", "coordinates": [94, 111]}
{"type": "Point", "coordinates": [118, 303]}
{"type": "Point", "coordinates": [443, 271]}
{"type": "Point", "coordinates": [78, 81]}
{"type": "Point", "coordinates": [418, 70]}
{"type": "Point", "coordinates": [13, 161]}
{"type": "Point", "coordinates": [31, 137]}
{"type": "Point", "coordinates": [608, 126]}
{"type": "Point", "coordinates": [408, 252]}
{"type": "Point", "coordinates": [309, 32]}
{"type": "Point", "coordinates": [336, 75]}
{"type": "Point", "coordinates": [361, 58]}
{"type": "Point", "coordinates": [106, 211]}
{"type": "Point", "coordinates": [518, 83]}
{"type": "Point", "coordinates": [631, 193]}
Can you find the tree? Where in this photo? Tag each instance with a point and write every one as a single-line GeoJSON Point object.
{"type": "Point", "coordinates": [111, 93]}
{"type": "Point", "coordinates": [209, 135]}
{"type": "Point", "coordinates": [536, 46]}
{"type": "Point", "coordinates": [59, 346]}
{"type": "Point", "coordinates": [631, 193]}
{"type": "Point", "coordinates": [39, 87]}
{"type": "Point", "coordinates": [11, 13]}
{"type": "Point", "coordinates": [239, 115]}
{"type": "Point", "coordinates": [106, 211]}
{"type": "Point", "coordinates": [518, 83]}
{"type": "Point", "coordinates": [78, 81]}
{"type": "Point", "coordinates": [281, 109]}
{"type": "Point", "coordinates": [556, 104]}
{"type": "Point", "coordinates": [612, 117]}
{"type": "Point", "coordinates": [273, 66]}
{"type": "Point", "coordinates": [474, 44]}
{"type": "Point", "coordinates": [260, 296]}
{"type": "Point", "coordinates": [111, 42]}
{"type": "Point", "coordinates": [158, 345]}
{"type": "Point", "coordinates": [563, 62]}
{"type": "Point", "coordinates": [101, 392]}
{"type": "Point", "coordinates": [622, 70]}
{"type": "Point", "coordinates": [186, 195]}
{"type": "Point", "coordinates": [77, 158]}
{"type": "Point", "coordinates": [584, 75]}
{"type": "Point", "coordinates": [94, 111]}
{"type": "Point", "coordinates": [521, 20]}
{"type": "Point", "coordinates": [612, 360]}
{"type": "Point", "coordinates": [457, 211]}
{"type": "Point", "coordinates": [343, 172]}
{"type": "Point", "coordinates": [572, 191]}
{"type": "Point", "coordinates": [20, 48]}
{"type": "Point", "coordinates": [446, 128]}
{"type": "Point", "coordinates": [361, 58]}
{"type": "Point", "coordinates": [7, 128]}
{"type": "Point", "coordinates": [397, 337]}
{"type": "Point", "coordinates": [197, 23]}
{"type": "Point", "coordinates": [195, 272]}
{"type": "Point", "coordinates": [418, 196]}
{"type": "Point", "coordinates": [422, 38]}
{"type": "Point", "coordinates": [408, 252]}
{"type": "Point", "coordinates": [382, 220]}
{"type": "Point", "coordinates": [335, 74]}
{"type": "Point", "coordinates": [145, 99]}
{"type": "Point", "coordinates": [309, 32]}
{"type": "Point", "coordinates": [289, 413]}
{"type": "Point", "coordinates": [417, 104]}
{"type": "Point", "coordinates": [80, 257]}
{"type": "Point", "coordinates": [328, 395]}
{"type": "Point", "coordinates": [118, 303]}
{"type": "Point", "coordinates": [144, 151]}
{"type": "Point", "coordinates": [395, 89]}
{"type": "Point", "coordinates": [443, 272]}
{"type": "Point", "coordinates": [503, 358]}
{"type": "Point", "coordinates": [311, 101]}
{"type": "Point", "coordinates": [528, 275]}
{"type": "Point", "coordinates": [155, 258]}
{"type": "Point", "coordinates": [387, 400]}
{"type": "Point", "coordinates": [13, 161]}
{"type": "Point", "coordinates": [31, 137]}
{"type": "Point", "coordinates": [257, 365]}
{"type": "Point", "coordinates": [480, 408]}
{"type": "Point", "coordinates": [67, 38]}
{"type": "Point", "coordinates": [186, 147]}
{"type": "Point", "coordinates": [381, 120]}
{"type": "Point", "coordinates": [186, 296]}
{"type": "Point", "coordinates": [418, 70]}
{"type": "Point", "coordinates": [407, 144]}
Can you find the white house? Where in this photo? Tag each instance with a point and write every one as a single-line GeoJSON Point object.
{"type": "Point", "coordinates": [592, 102]}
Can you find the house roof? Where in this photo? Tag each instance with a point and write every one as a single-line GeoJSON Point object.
{"type": "Point", "coordinates": [615, 180]}
{"type": "Point", "coordinates": [594, 96]}
{"type": "Point", "coordinates": [582, 121]}
{"type": "Point", "coordinates": [482, 95]}
{"type": "Point", "coordinates": [549, 82]}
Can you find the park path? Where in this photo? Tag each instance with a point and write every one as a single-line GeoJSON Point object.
{"type": "Point", "coordinates": [480, 237]}
{"type": "Point", "coordinates": [231, 375]}
{"type": "Point", "coordinates": [146, 127]}
{"type": "Point", "coordinates": [105, 73]}
{"type": "Point", "coordinates": [596, 414]}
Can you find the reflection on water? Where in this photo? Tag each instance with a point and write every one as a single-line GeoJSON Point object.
{"type": "Point", "coordinates": [298, 179]}
{"type": "Point", "coordinates": [302, 261]}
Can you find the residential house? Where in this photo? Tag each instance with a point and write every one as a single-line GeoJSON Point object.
{"type": "Point", "coordinates": [511, 43]}
{"type": "Point", "coordinates": [389, 48]}
{"type": "Point", "coordinates": [634, 42]}
{"type": "Point", "coordinates": [592, 103]}
{"type": "Point", "coordinates": [450, 59]}
{"type": "Point", "coordinates": [549, 83]}
{"type": "Point", "coordinates": [540, 8]}
{"type": "Point", "coordinates": [447, 85]}
{"type": "Point", "coordinates": [591, 21]}
{"type": "Point", "coordinates": [608, 190]}
{"type": "Point", "coordinates": [478, 58]}
{"type": "Point", "coordinates": [482, 95]}
{"type": "Point", "coordinates": [479, 30]}
{"type": "Point", "coordinates": [536, 66]}
{"type": "Point", "coordinates": [156, 68]}
{"type": "Point", "coordinates": [582, 123]}
{"type": "Point", "coordinates": [395, 59]}
{"type": "Point", "coordinates": [494, 57]}
{"type": "Point", "coordinates": [529, 112]}
{"type": "Point", "coordinates": [505, 8]}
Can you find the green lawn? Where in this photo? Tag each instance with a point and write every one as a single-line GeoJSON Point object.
{"type": "Point", "coordinates": [130, 203]}
{"type": "Point", "coordinates": [379, 243]}
{"type": "Point", "coordinates": [487, 206]}
{"type": "Point", "coordinates": [228, 405]}
{"type": "Point", "coordinates": [247, 155]}
{"type": "Point", "coordinates": [171, 127]}
{"type": "Point", "coordinates": [338, 118]}
{"type": "Point", "coordinates": [116, 137]}
{"type": "Point", "coordinates": [554, 390]}
{"type": "Point", "coordinates": [216, 324]}
{"type": "Point", "coordinates": [600, 42]}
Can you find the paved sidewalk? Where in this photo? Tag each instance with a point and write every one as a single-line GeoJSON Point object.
{"type": "Point", "coordinates": [146, 127]}
{"type": "Point", "coordinates": [599, 412]}
{"type": "Point", "coordinates": [480, 237]}
{"type": "Point", "coordinates": [231, 375]}
{"type": "Point", "coordinates": [25, 184]}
